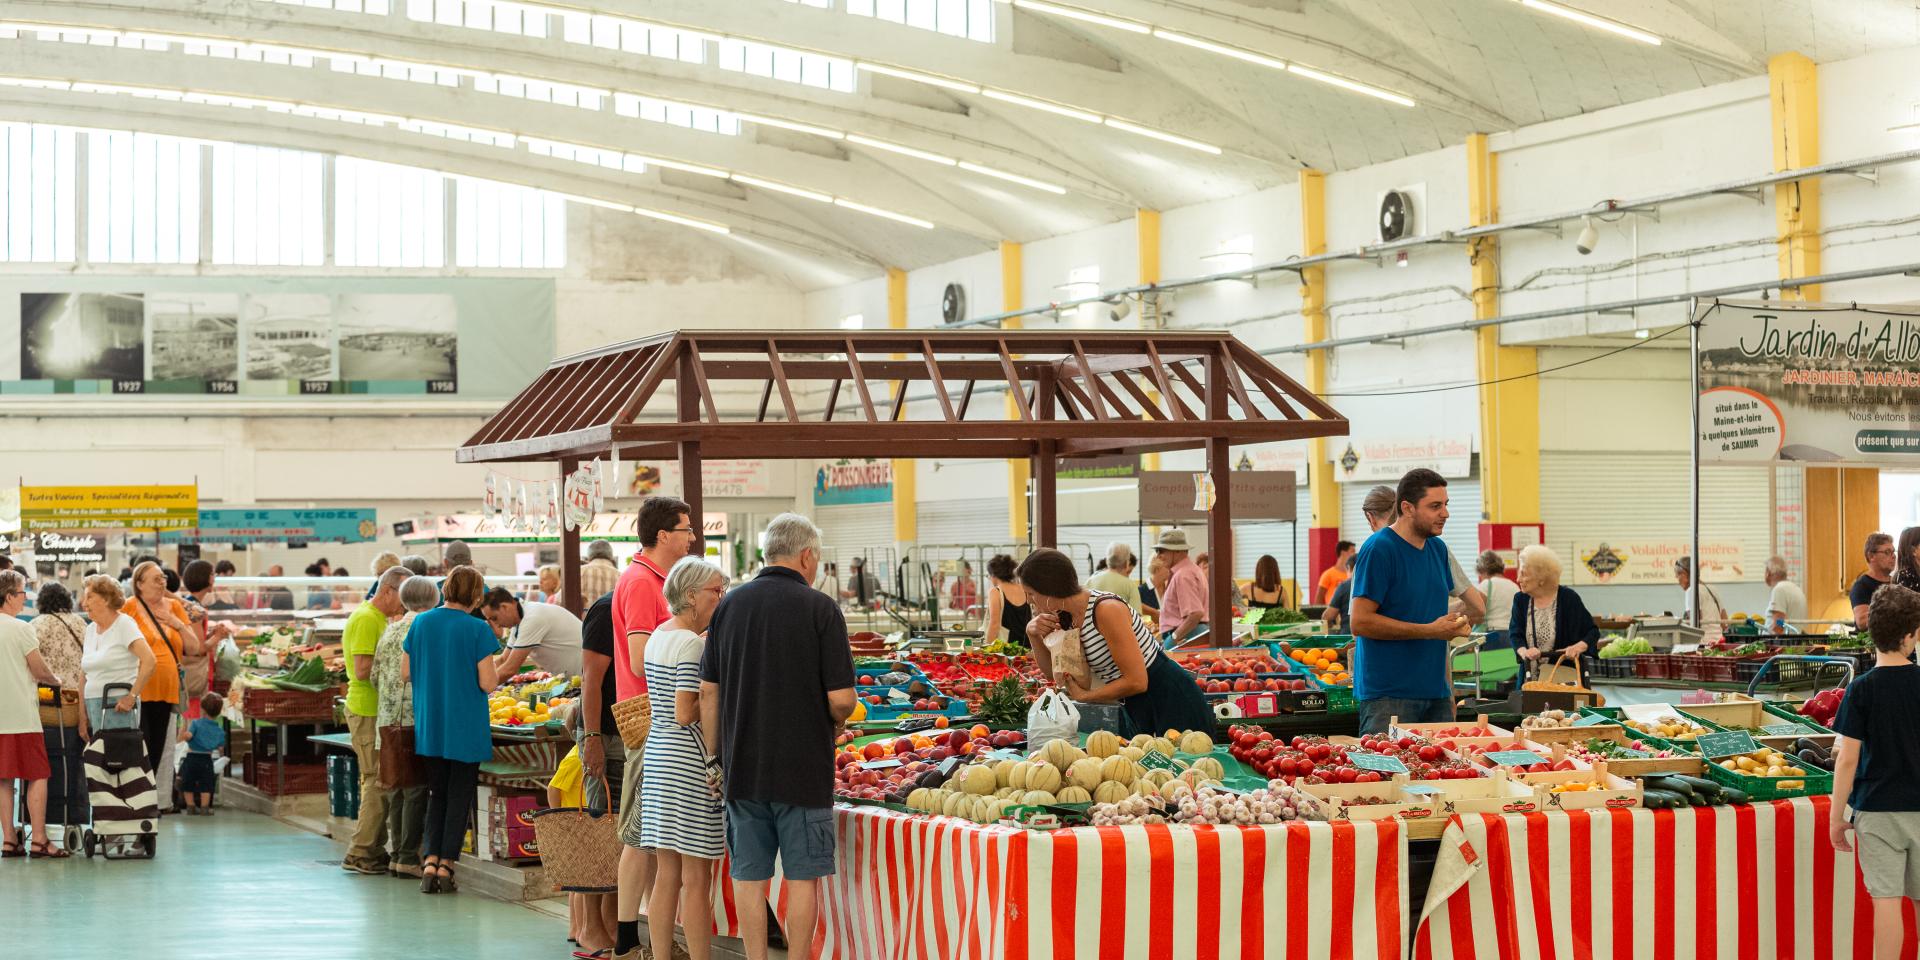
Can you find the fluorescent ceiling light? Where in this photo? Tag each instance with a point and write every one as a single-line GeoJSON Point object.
{"type": "Point", "coordinates": [1353, 85]}
{"type": "Point", "coordinates": [1014, 178]}
{"type": "Point", "coordinates": [791, 125]}
{"type": "Point", "coordinates": [707, 225]}
{"type": "Point", "coordinates": [900, 149]}
{"type": "Point", "coordinates": [683, 167]}
{"type": "Point", "coordinates": [888, 214]}
{"type": "Point", "coordinates": [1614, 27]}
{"type": "Point", "coordinates": [1046, 105]}
{"type": "Point", "coordinates": [1119, 124]}
{"type": "Point", "coordinates": [1087, 16]}
{"type": "Point", "coordinates": [1221, 49]}
{"type": "Point", "coordinates": [783, 188]}
{"type": "Point", "coordinates": [926, 78]}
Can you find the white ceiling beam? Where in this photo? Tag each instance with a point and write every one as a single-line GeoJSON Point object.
{"type": "Point", "coordinates": [753, 217]}
{"type": "Point", "coordinates": [855, 176]}
{"type": "Point", "coordinates": [975, 139]}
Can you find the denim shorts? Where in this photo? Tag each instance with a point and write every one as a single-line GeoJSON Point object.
{"type": "Point", "coordinates": [1377, 714]}
{"type": "Point", "coordinates": [802, 836]}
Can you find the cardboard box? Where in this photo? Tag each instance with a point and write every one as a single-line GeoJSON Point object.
{"type": "Point", "coordinates": [512, 810]}
{"type": "Point", "coordinates": [512, 843]}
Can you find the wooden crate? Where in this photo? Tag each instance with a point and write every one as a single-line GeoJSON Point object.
{"type": "Point", "coordinates": [1499, 793]}
{"type": "Point", "coordinates": [1745, 713]}
{"type": "Point", "coordinates": [1690, 765]}
{"type": "Point", "coordinates": [1615, 792]}
{"type": "Point", "coordinates": [1431, 731]}
{"type": "Point", "coordinates": [1334, 798]}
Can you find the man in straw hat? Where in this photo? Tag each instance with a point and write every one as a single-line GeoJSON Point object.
{"type": "Point", "coordinates": [1183, 609]}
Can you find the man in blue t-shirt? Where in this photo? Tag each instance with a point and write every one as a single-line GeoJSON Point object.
{"type": "Point", "coordinates": [1401, 626]}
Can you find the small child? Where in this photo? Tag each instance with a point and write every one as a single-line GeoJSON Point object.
{"type": "Point", "coordinates": [203, 736]}
{"type": "Point", "coordinates": [1876, 767]}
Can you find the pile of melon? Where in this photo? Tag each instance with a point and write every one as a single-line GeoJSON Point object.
{"type": "Point", "coordinates": [1107, 771]}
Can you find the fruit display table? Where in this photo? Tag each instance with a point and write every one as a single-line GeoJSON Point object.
{"type": "Point", "coordinates": [910, 887]}
{"type": "Point", "coordinates": [1628, 883]}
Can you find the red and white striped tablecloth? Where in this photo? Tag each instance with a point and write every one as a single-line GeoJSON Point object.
{"type": "Point", "coordinates": [936, 888]}
{"type": "Point", "coordinates": [1706, 882]}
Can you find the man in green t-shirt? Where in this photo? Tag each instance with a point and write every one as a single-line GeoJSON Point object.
{"type": "Point", "coordinates": [368, 855]}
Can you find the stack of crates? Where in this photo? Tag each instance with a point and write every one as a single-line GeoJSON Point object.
{"type": "Point", "coordinates": [343, 785]}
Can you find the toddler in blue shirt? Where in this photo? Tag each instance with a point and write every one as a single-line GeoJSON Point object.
{"type": "Point", "coordinates": [203, 736]}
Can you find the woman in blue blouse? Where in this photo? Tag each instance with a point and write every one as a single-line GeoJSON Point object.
{"type": "Point", "coordinates": [449, 661]}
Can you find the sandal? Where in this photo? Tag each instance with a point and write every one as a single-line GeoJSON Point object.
{"type": "Point", "coordinates": [447, 884]}
{"type": "Point", "coordinates": [45, 850]}
{"type": "Point", "coordinates": [11, 850]}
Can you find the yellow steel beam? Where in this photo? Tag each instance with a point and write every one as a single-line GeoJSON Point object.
{"type": "Point", "coordinates": [1147, 232]}
{"type": "Point", "coordinates": [1795, 92]}
{"type": "Point", "coordinates": [1019, 471]}
{"type": "Point", "coordinates": [906, 508]}
{"type": "Point", "coordinates": [1510, 393]}
{"type": "Point", "coordinates": [1325, 491]}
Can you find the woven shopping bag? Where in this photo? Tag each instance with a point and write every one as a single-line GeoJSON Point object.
{"type": "Point", "coordinates": [61, 707]}
{"type": "Point", "coordinates": [579, 847]}
{"type": "Point", "coordinates": [634, 718]}
{"type": "Point", "coordinates": [1558, 682]}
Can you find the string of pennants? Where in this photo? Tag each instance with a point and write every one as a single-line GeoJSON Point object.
{"type": "Point", "coordinates": [547, 506]}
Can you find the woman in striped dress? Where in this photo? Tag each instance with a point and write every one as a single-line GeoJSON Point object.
{"type": "Point", "coordinates": [680, 812]}
{"type": "Point", "coordinates": [1125, 660]}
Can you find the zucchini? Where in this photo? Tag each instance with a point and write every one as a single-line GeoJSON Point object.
{"type": "Point", "coordinates": [1671, 784]}
{"type": "Point", "coordinates": [1706, 788]}
{"type": "Point", "coordinates": [1661, 799]}
{"type": "Point", "coordinates": [1731, 795]}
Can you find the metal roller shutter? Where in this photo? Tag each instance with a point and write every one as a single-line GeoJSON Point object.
{"type": "Point", "coordinates": [1592, 497]}
{"type": "Point", "coordinates": [964, 522]}
{"type": "Point", "coordinates": [848, 531]}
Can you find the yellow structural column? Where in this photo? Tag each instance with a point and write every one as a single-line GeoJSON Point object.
{"type": "Point", "coordinates": [1147, 236]}
{"type": "Point", "coordinates": [1019, 469]}
{"type": "Point", "coordinates": [1510, 393]}
{"type": "Point", "coordinates": [906, 509]}
{"type": "Point", "coordinates": [1323, 530]}
{"type": "Point", "coordinates": [1842, 504]}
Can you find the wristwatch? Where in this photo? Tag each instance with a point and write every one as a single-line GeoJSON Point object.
{"type": "Point", "coordinates": [584, 734]}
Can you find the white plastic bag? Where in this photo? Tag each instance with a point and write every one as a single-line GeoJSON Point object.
{"type": "Point", "coordinates": [1052, 717]}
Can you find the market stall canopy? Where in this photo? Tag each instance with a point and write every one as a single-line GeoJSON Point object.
{"type": "Point", "coordinates": [1077, 394]}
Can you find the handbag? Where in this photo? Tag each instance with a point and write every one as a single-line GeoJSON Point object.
{"type": "Point", "coordinates": [62, 707]}
{"type": "Point", "coordinates": [634, 718]}
{"type": "Point", "coordinates": [399, 765]}
{"type": "Point", "coordinates": [179, 668]}
{"type": "Point", "coordinates": [579, 847]}
{"type": "Point", "coordinates": [1549, 691]}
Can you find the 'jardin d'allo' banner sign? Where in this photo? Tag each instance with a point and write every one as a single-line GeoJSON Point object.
{"type": "Point", "coordinates": [1784, 381]}
{"type": "Point", "coordinates": [135, 508]}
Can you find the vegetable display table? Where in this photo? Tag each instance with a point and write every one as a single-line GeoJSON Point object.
{"type": "Point", "coordinates": [909, 887]}
{"type": "Point", "coordinates": [1727, 881]}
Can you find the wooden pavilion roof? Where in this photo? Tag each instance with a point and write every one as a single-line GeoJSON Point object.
{"type": "Point", "coordinates": [827, 394]}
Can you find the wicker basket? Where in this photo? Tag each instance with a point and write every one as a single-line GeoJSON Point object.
{"type": "Point", "coordinates": [634, 717]}
{"type": "Point", "coordinates": [580, 852]}
{"type": "Point", "coordinates": [66, 712]}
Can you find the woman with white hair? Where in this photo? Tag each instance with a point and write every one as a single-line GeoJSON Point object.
{"type": "Point", "coordinates": [680, 813]}
{"type": "Point", "coordinates": [407, 791]}
{"type": "Point", "coordinates": [1549, 620]}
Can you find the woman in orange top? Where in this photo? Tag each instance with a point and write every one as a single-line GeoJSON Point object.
{"type": "Point", "coordinates": [162, 619]}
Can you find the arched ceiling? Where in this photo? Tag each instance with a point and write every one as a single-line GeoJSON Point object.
{"type": "Point", "coordinates": [934, 146]}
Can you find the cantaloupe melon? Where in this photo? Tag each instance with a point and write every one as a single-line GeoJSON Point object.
{"type": "Point", "coordinates": [1044, 777]}
{"type": "Point", "coordinates": [1161, 745]}
{"type": "Point", "coordinates": [1060, 753]}
{"type": "Point", "coordinates": [1209, 767]}
{"type": "Point", "coordinates": [1085, 774]}
{"type": "Point", "coordinates": [1103, 744]}
{"type": "Point", "coordinates": [1136, 754]}
{"type": "Point", "coordinates": [1193, 741]}
{"type": "Point", "coordinates": [1002, 769]}
{"type": "Point", "coordinates": [977, 780]}
{"type": "Point", "coordinates": [1157, 776]}
{"type": "Point", "coordinates": [1017, 779]}
{"type": "Point", "coordinates": [1173, 789]}
{"type": "Point", "coordinates": [1110, 791]}
{"type": "Point", "coordinates": [1035, 798]}
{"type": "Point", "coordinates": [1140, 740]}
{"type": "Point", "coordinates": [1119, 769]}
{"type": "Point", "coordinates": [1074, 794]}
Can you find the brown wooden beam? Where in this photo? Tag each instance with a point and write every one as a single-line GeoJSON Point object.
{"type": "Point", "coordinates": [780, 377]}
{"type": "Point", "coordinates": [879, 434]}
{"type": "Point", "coordinates": [1151, 409]}
{"type": "Point", "coordinates": [1087, 377]}
{"type": "Point", "coordinates": [966, 400]}
{"type": "Point", "coordinates": [833, 400]}
{"type": "Point", "coordinates": [1046, 465]}
{"type": "Point", "coordinates": [690, 362]}
{"type": "Point", "coordinates": [915, 369]}
{"type": "Point", "coordinates": [860, 381]}
{"type": "Point", "coordinates": [1014, 386]}
{"type": "Point", "coordinates": [939, 382]}
{"type": "Point", "coordinates": [570, 593]}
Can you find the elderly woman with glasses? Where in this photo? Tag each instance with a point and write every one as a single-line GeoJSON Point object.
{"type": "Point", "coordinates": [1549, 620]}
{"type": "Point", "coordinates": [23, 750]}
{"type": "Point", "coordinates": [680, 814]}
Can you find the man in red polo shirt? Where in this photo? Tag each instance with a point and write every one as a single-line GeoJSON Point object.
{"type": "Point", "coordinates": [667, 534]}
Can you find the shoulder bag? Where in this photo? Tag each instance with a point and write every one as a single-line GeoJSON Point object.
{"type": "Point", "coordinates": [63, 708]}
{"type": "Point", "coordinates": [179, 668]}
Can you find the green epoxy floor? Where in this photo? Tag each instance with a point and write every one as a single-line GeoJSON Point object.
{"type": "Point", "coordinates": [241, 884]}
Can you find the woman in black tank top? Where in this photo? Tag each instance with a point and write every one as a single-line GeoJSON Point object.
{"type": "Point", "coordinates": [1004, 615]}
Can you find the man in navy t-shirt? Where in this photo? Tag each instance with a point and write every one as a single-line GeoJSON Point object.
{"type": "Point", "coordinates": [1401, 626]}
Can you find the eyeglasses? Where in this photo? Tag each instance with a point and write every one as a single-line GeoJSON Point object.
{"type": "Point", "coordinates": [1886, 550]}
{"type": "Point", "coordinates": [681, 530]}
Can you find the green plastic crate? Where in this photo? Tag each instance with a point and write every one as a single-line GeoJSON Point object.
{"type": "Point", "coordinates": [1816, 783]}
{"type": "Point", "coordinates": [1681, 746]}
